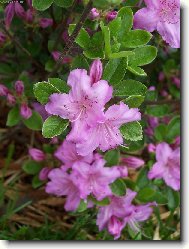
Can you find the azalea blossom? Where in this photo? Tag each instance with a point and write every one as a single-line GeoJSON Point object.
{"type": "Point", "coordinates": [61, 184]}
{"type": "Point", "coordinates": [94, 178]}
{"type": "Point", "coordinates": [121, 212]}
{"type": "Point", "coordinates": [68, 155]}
{"type": "Point", "coordinates": [36, 154]}
{"type": "Point", "coordinates": [83, 105]}
{"type": "Point", "coordinates": [106, 134]}
{"type": "Point", "coordinates": [163, 16]}
{"type": "Point", "coordinates": [167, 165]}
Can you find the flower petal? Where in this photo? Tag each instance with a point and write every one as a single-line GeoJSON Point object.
{"type": "Point", "coordinates": [156, 171]}
{"type": "Point", "coordinates": [163, 151]}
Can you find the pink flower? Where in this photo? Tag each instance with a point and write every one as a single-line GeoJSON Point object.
{"type": "Point", "coordinates": [36, 154]}
{"type": "Point", "coordinates": [3, 90]}
{"type": "Point", "coordinates": [43, 174]}
{"type": "Point", "coordinates": [12, 9]}
{"type": "Point", "coordinates": [2, 38]}
{"type": "Point", "coordinates": [41, 110]}
{"type": "Point", "coordinates": [133, 162]}
{"type": "Point", "coordinates": [106, 134]}
{"type": "Point", "coordinates": [45, 22]}
{"type": "Point", "coordinates": [121, 212]}
{"type": "Point", "coordinates": [19, 87]}
{"type": "Point", "coordinates": [152, 88]}
{"type": "Point", "coordinates": [61, 184]}
{"type": "Point", "coordinates": [94, 14]}
{"type": "Point", "coordinates": [94, 179]}
{"type": "Point", "coordinates": [167, 165]}
{"type": "Point", "coordinates": [68, 155]}
{"type": "Point", "coordinates": [161, 76]}
{"type": "Point", "coordinates": [111, 15]}
{"type": "Point", "coordinates": [151, 148]}
{"type": "Point", "coordinates": [96, 71]}
{"type": "Point", "coordinates": [29, 16]}
{"type": "Point", "coordinates": [25, 111]}
{"type": "Point", "coordinates": [84, 104]}
{"type": "Point", "coordinates": [176, 81]}
{"type": "Point", "coordinates": [56, 55]}
{"type": "Point", "coordinates": [164, 16]}
{"type": "Point", "coordinates": [11, 99]}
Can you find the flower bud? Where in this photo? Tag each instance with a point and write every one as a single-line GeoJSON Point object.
{"type": "Point", "coordinates": [152, 88]}
{"type": "Point", "coordinates": [111, 15]}
{"type": "Point", "coordinates": [25, 111]}
{"type": "Point", "coordinates": [96, 71]}
{"type": "Point", "coordinates": [11, 99]}
{"type": "Point", "coordinates": [94, 14]}
{"type": "Point", "coordinates": [133, 162]}
{"type": "Point", "coordinates": [161, 76]}
{"type": "Point", "coordinates": [115, 226]}
{"type": "Point", "coordinates": [19, 87]}
{"type": "Point", "coordinates": [45, 22]}
{"type": "Point", "coordinates": [19, 10]}
{"type": "Point", "coordinates": [123, 171]}
{"type": "Point", "coordinates": [9, 14]}
{"type": "Point", "coordinates": [36, 154]}
{"type": "Point", "coordinates": [151, 148]}
{"type": "Point", "coordinates": [2, 38]}
{"type": "Point", "coordinates": [176, 82]}
{"type": "Point", "coordinates": [43, 174]}
{"type": "Point", "coordinates": [3, 90]}
{"type": "Point", "coordinates": [29, 16]}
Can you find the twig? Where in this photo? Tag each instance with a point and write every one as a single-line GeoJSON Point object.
{"type": "Point", "coordinates": [72, 38]}
{"type": "Point", "coordinates": [64, 25]}
{"type": "Point", "coordinates": [19, 45]}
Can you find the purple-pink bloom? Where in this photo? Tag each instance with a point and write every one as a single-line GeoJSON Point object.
{"type": "Point", "coordinates": [164, 16]}
{"type": "Point", "coordinates": [19, 87]}
{"type": "Point", "coordinates": [83, 105]}
{"type": "Point", "coordinates": [40, 109]}
{"type": "Point", "coordinates": [43, 174]}
{"type": "Point", "coordinates": [3, 90]}
{"type": "Point", "coordinates": [151, 148]}
{"type": "Point", "coordinates": [176, 81]}
{"type": "Point", "coordinates": [96, 71]}
{"type": "Point", "coordinates": [67, 154]}
{"type": "Point", "coordinates": [12, 9]}
{"type": "Point", "coordinates": [29, 16]}
{"type": "Point", "coordinates": [167, 165]}
{"type": "Point", "coordinates": [45, 22]}
{"type": "Point", "coordinates": [133, 162]}
{"type": "Point", "coordinates": [106, 134]}
{"type": "Point", "coordinates": [2, 38]}
{"type": "Point", "coordinates": [11, 99]}
{"type": "Point", "coordinates": [94, 178]}
{"type": "Point", "coordinates": [25, 111]}
{"type": "Point", "coordinates": [61, 184]}
{"type": "Point", "coordinates": [36, 154]}
{"type": "Point", "coordinates": [56, 56]}
{"type": "Point", "coordinates": [94, 14]}
{"type": "Point", "coordinates": [111, 15]}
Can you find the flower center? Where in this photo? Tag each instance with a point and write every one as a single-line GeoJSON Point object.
{"type": "Point", "coordinates": [169, 11]}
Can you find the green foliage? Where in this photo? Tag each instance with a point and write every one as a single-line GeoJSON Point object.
{"type": "Point", "coordinates": [173, 199]}
{"type": "Point", "coordinates": [136, 38]}
{"type": "Point", "coordinates": [132, 131]}
{"type": "Point", "coordinates": [13, 116]}
{"type": "Point", "coordinates": [54, 126]}
{"type": "Point", "coordinates": [41, 4]}
{"type": "Point", "coordinates": [64, 3]}
{"type": "Point", "coordinates": [118, 187]}
{"type": "Point", "coordinates": [112, 157]}
{"type": "Point", "coordinates": [101, 203]}
{"type": "Point", "coordinates": [173, 129]}
{"type": "Point", "coordinates": [134, 101]}
{"type": "Point", "coordinates": [35, 122]}
{"type": "Point", "coordinates": [157, 110]}
{"type": "Point", "coordinates": [160, 132]}
{"type": "Point", "coordinates": [31, 167]}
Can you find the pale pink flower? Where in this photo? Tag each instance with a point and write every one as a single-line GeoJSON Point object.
{"type": "Point", "coordinates": [94, 14]}
{"type": "Point", "coordinates": [96, 71]}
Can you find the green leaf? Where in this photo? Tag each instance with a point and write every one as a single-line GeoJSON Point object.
{"type": "Point", "coordinates": [126, 15]}
{"type": "Point", "coordinates": [115, 71]}
{"type": "Point", "coordinates": [112, 157]}
{"type": "Point", "coordinates": [136, 38]}
{"type": "Point", "coordinates": [142, 179]}
{"type": "Point", "coordinates": [59, 84]}
{"type": "Point", "coordinates": [13, 116]}
{"type": "Point", "coordinates": [82, 206]}
{"type": "Point", "coordinates": [54, 126]}
{"type": "Point", "coordinates": [41, 4]}
{"type": "Point", "coordinates": [143, 56]}
{"type": "Point", "coordinates": [95, 48]}
{"type": "Point", "coordinates": [157, 110]}
{"type": "Point", "coordinates": [36, 182]}
{"type": "Point", "coordinates": [132, 131]}
{"type": "Point", "coordinates": [120, 54]}
{"type": "Point", "coordinates": [35, 122]}
{"type": "Point", "coordinates": [173, 129]}
{"type": "Point", "coordinates": [118, 187]}
{"type": "Point", "coordinates": [146, 194]}
{"type": "Point", "coordinates": [130, 87]}
{"type": "Point", "coordinates": [80, 62]}
{"type": "Point", "coordinates": [173, 199]}
{"type": "Point", "coordinates": [32, 167]}
{"type": "Point", "coordinates": [64, 3]}
{"type": "Point", "coordinates": [102, 203]}
{"type": "Point", "coordinates": [106, 33]}
{"type": "Point", "coordinates": [134, 101]}
{"type": "Point", "coordinates": [83, 39]}
{"type": "Point", "coordinates": [136, 70]}
{"type": "Point", "coordinates": [42, 90]}
{"type": "Point", "coordinates": [115, 26]}
{"type": "Point", "coordinates": [160, 132]}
